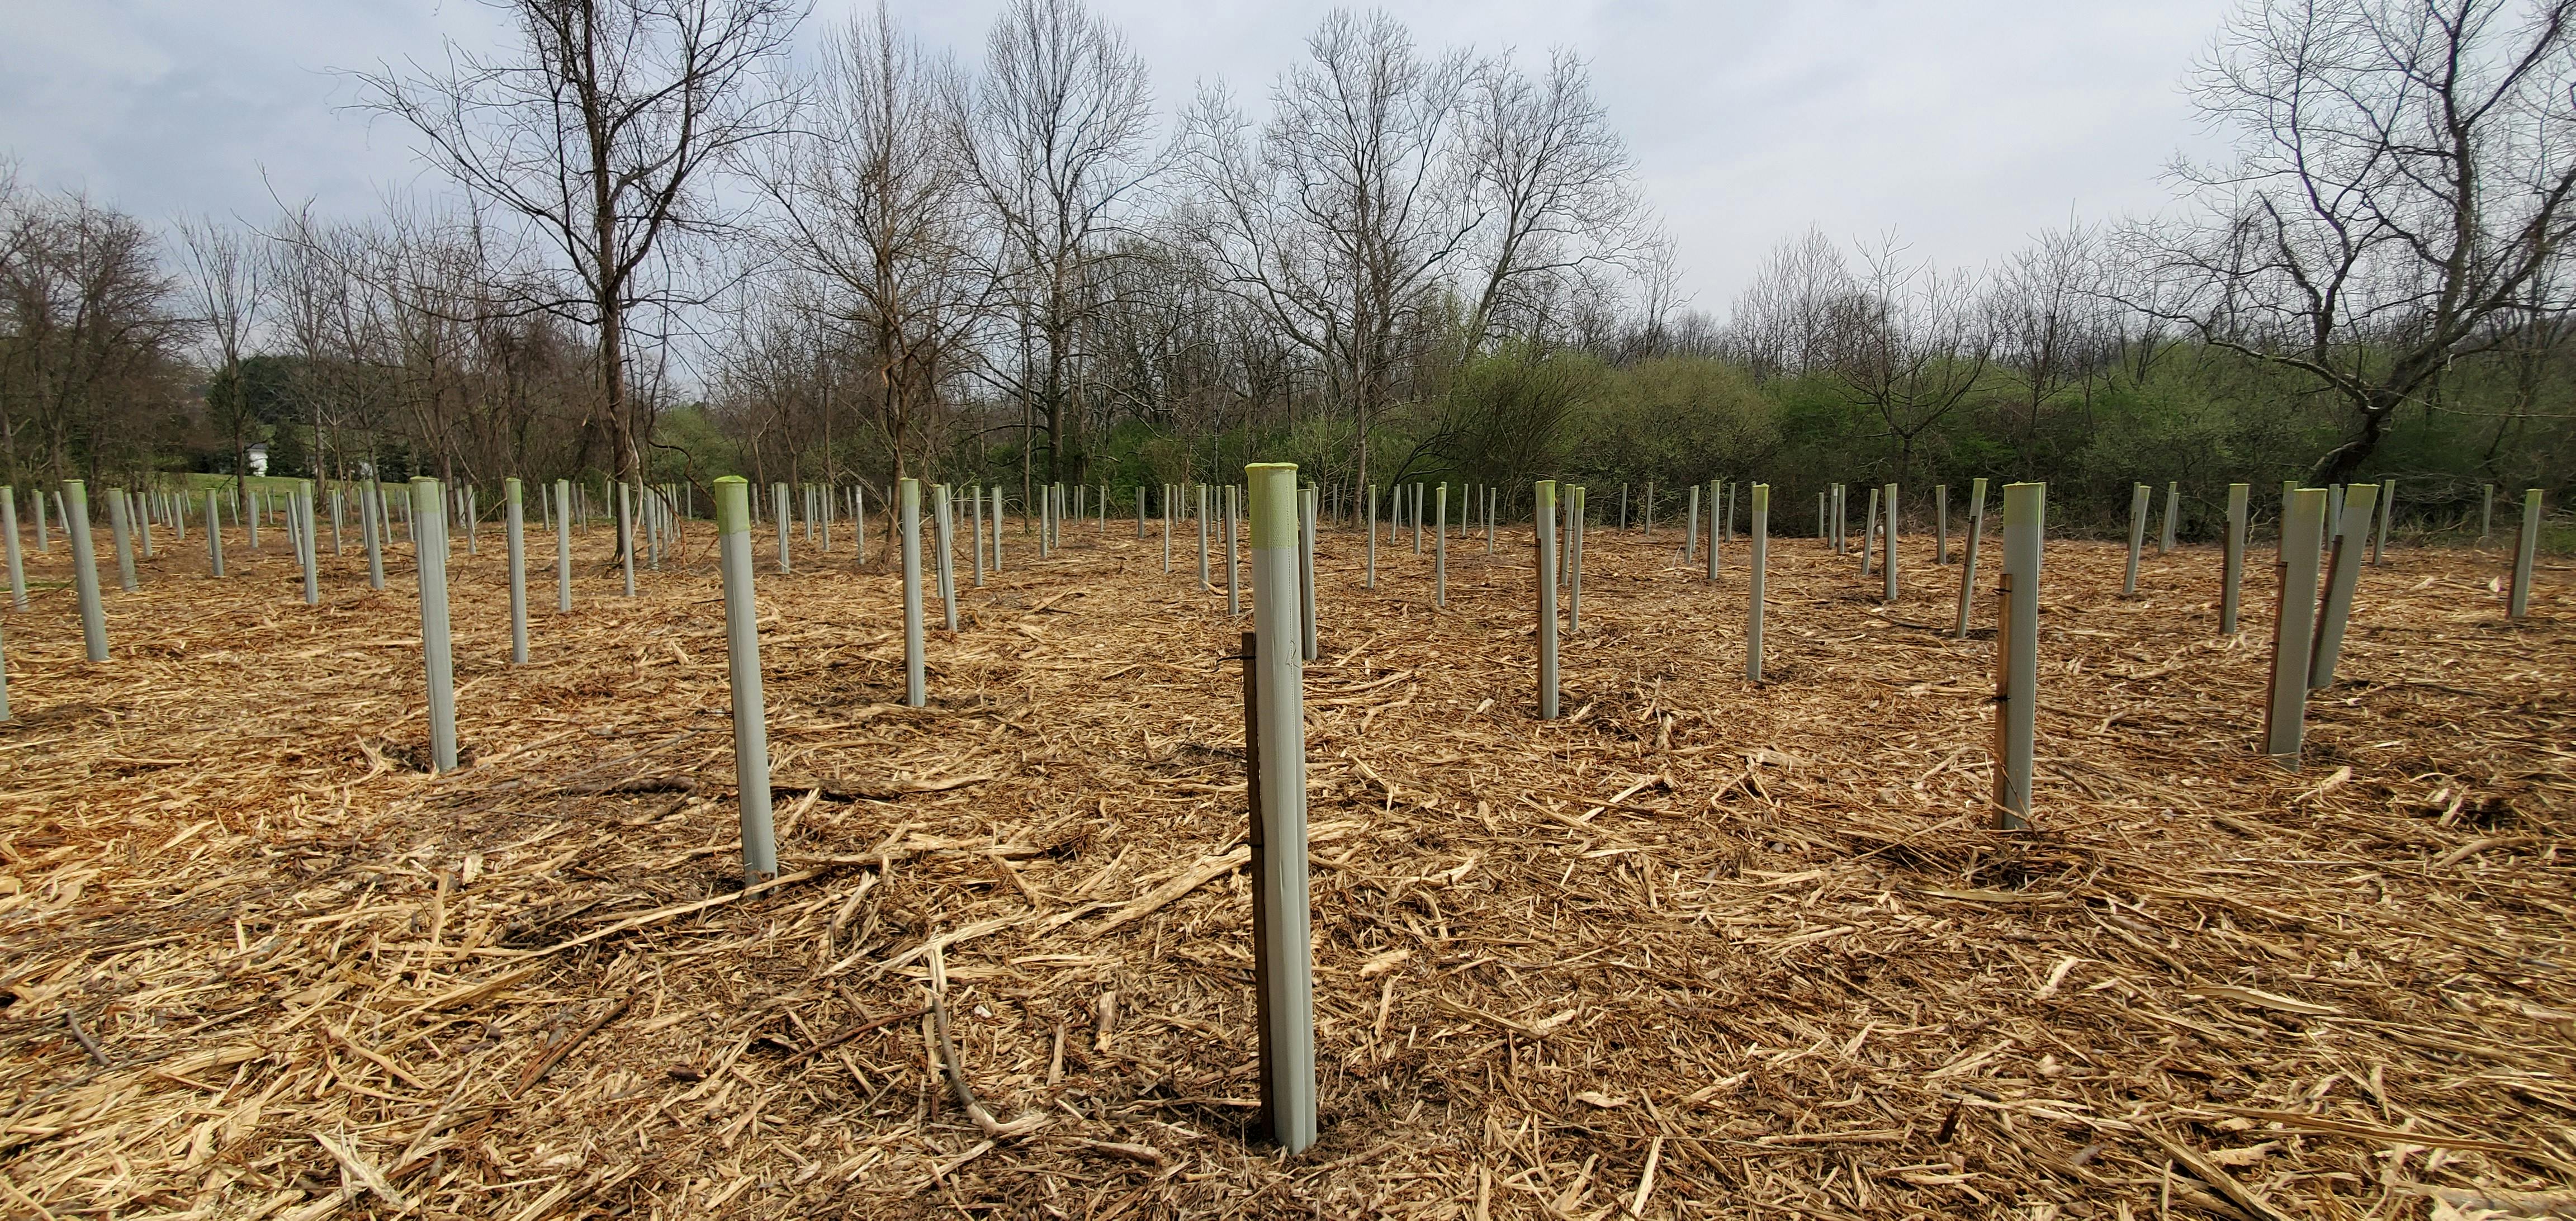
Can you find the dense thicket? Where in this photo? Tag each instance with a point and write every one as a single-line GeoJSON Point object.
{"type": "Point", "coordinates": [710, 253]}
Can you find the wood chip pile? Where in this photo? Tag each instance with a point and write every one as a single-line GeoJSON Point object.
{"type": "Point", "coordinates": [1697, 949]}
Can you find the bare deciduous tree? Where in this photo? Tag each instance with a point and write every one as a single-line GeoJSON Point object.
{"type": "Point", "coordinates": [602, 132]}
{"type": "Point", "coordinates": [1055, 137]}
{"type": "Point", "coordinates": [1341, 214]}
{"type": "Point", "coordinates": [2404, 179]}
{"type": "Point", "coordinates": [1555, 191]}
{"type": "Point", "coordinates": [876, 204]}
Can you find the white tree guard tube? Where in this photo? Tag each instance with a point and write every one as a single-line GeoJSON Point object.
{"type": "Point", "coordinates": [1372, 536]}
{"type": "Point", "coordinates": [429, 556]}
{"type": "Point", "coordinates": [1285, 952]}
{"type": "Point", "coordinates": [1544, 506]}
{"type": "Point", "coordinates": [373, 502]}
{"type": "Point", "coordinates": [1233, 555]}
{"type": "Point", "coordinates": [2294, 627]}
{"type": "Point", "coordinates": [2173, 518]}
{"type": "Point", "coordinates": [1574, 558]}
{"type": "Point", "coordinates": [1308, 504]}
{"type": "Point", "coordinates": [2232, 561]}
{"type": "Point", "coordinates": [1440, 558]}
{"type": "Point", "coordinates": [1887, 546]}
{"type": "Point", "coordinates": [515, 527]}
{"type": "Point", "coordinates": [1760, 529]}
{"type": "Point", "coordinates": [2343, 576]}
{"type": "Point", "coordinates": [2378, 546]}
{"type": "Point", "coordinates": [1690, 535]}
{"type": "Point", "coordinates": [778, 500]}
{"type": "Point", "coordinates": [2139, 494]}
{"type": "Point", "coordinates": [943, 520]}
{"type": "Point", "coordinates": [563, 546]}
{"type": "Point", "coordinates": [17, 563]}
{"type": "Point", "coordinates": [215, 541]}
{"type": "Point", "coordinates": [2017, 650]}
{"type": "Point", "coordinates": [308, 546]}
{"type": "Point", "coordinates": [1968, 557]}
{"type": "Point", "coordinates": [626, 533]}
{"type": "Point", "coordinates": [93, 615]}
{"type": "Point", "coordinates": [121, 536]}
{"type": "Point", "coordinates": [742, 664]}
{"type": "Point", "coordinates": [915, 680]}
{"type": "Point", "coordinates": [2526, 547]}
{"type": "Point", "coordinates": [1716, 517]}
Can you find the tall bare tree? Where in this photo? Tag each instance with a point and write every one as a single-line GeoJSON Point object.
{"type": "Point", "coordinates": [1055, 136]}
{"type": "Point", "coordinates": [601, 130]}
{"type": "Point", "coordinates": [1555, 191]}
{"type": "Point", "coordinates": [2404, 178]}
{"type": "Point", "coordinates": [1341, 214]}
{"type": "Point", "coordinates": [1911, 346]}
{"type": "Point", "coordinates": [876, 204]}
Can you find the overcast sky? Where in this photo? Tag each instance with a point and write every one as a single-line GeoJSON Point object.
{"type": "Point", "coordinates": [1963, 126]}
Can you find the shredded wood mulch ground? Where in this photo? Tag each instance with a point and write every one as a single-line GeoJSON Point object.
{"type": "Point", "coordinates": [1700, 948]}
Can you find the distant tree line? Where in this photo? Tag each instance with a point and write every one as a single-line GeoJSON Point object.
{"type": "Point", "coordinates": [674, 250]}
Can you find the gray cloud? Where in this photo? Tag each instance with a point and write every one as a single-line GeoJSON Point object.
{"type": "Point", "coordinates": [1965, 127]}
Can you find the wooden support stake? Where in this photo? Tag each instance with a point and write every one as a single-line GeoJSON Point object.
{"type": "Point", "coordinates": [2294, 626]}
{"type": "Point", "coordinates": [2017, 650]}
